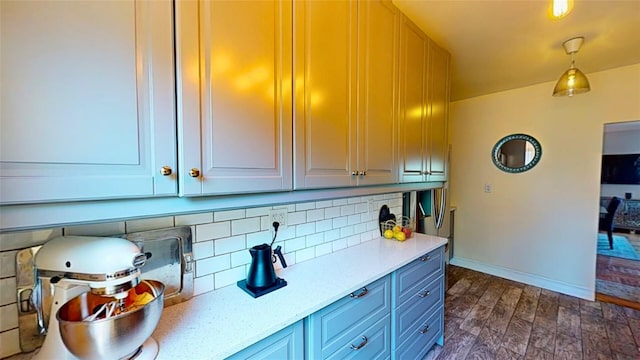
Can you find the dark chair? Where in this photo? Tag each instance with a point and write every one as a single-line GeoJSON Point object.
{"type": "Point", "coordinates": [606, 221]}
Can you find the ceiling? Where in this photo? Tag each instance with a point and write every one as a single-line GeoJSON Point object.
{"type": "Point", "coordinates": [506, 44]}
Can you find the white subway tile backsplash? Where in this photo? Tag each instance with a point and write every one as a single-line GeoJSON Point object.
{"type": "Point", "coordinates": [9, 343]}
{"type": "Point", "coordinates": [240, 258]}
{"type": "Point", "coordinates": [194, 219]}
{"type": "Point", "coordinates": [259, 211]}
{"type": "Point", "coordinates": [339, 244]}
{"type": "Point", "coordinates": [8, 317]}
{"type": "Point", "coordinates": [245, 226]}
{"type": "Point", "coordinates": [353, 240]}
{"type": "Point", "coordinates": [203, 284]}
{"type": "Point", "coordinates": [203, 249]}
{"type": "Point", "coordinates": [8, 263]}
{"type": "Point", "coordinates": [213, 264]}
{"type": "Point", "coordinates": [214, 230]}
{"type": "Point", "coordinates": [148, 224]}
{"type": "Point", "coordinates": [347, 210]}
{"type": "Point", "coordinates": [340, 202]}
{"type": "Point", "coordinates": [324, 204]}
{"type": "Point", "coordinates": [305, 206]}
{"type": "Point", "coordinates": [7, 291]}
{"type": "Point", "coordinates": [305, 254]}
{"type": "Point", "coordinates": [305, 229]}
{"type": "Point", "coordinates": [362, 208]}
{"type": "Point", "coordinates": [228, 277]}
{"type": "Point", "coordinates": [294, 245]}
{"type": "Point", "coordinates": [353, 219]}
{"type": "Point", "coordinates": [295, 218]}
{"type": "Point", "coordinates": [24, 239]}
{"type": "Point", "coordinates": [230, 244]}
{"type": "Point", "coordinates": [340, 222]}
{"type": "Point", "coordinates": [346, 231]}
{"type": "Point", "coordinates": [323, 225]}
{"type": "Point", "coordinates": [315, 215]}
{"type": "Point", "coordinates": [262, 237]}
{"type": "Point", "coordinates": [229, 215]}
{"type": "Point", "coordinates": [315, 239]}
{"type": "Point", "coordinates": [331, 212]}
{"type": "Point", "coordinates": [324, 249]}
{"type": "Point", "coordinates": [104, 229]}
{"type": "Point", "coordinates": [331, 235]}
{"type": "Point", "coordinates": [221, 242]}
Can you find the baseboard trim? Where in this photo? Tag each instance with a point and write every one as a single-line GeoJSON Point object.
{"type": "Point", "coordinates": [526, 278]}
{"type": "Point", "coordinates": [617, 301]}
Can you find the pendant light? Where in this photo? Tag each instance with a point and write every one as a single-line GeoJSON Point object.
{"type": "Point", "coordinates": [573, 81]}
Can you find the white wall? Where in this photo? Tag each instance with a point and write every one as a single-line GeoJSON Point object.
{"type": "Point", "coordinates": [540, 226]}
{"type": "Point", "coordinates": [621, 142]}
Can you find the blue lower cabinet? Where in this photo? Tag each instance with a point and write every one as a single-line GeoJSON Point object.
{"type": "Point", "coordinates": [399, 316]}
{"type": "Point", "coordinates": [286, 344]}
{"type": "Point", "coordinates": [423, 336]}
{"type": "Point", "coordinates": [357, 326]}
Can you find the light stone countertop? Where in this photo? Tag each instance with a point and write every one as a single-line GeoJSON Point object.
{"type": "Point", "coordinates": [218, 324]}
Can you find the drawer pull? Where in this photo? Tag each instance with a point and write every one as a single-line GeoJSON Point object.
{"type": "Point", "coordinates": [363, 292]}
{"type": "Point", "coordinates": [424, 294]}
{"type": "Point", "coordinates": [363, 343]}
{"type": "Point", "coordinates": [424, 329]}
{"type": "Point", "coordinates": [425, 258]}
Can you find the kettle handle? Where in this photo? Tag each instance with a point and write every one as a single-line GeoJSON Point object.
{"type": "Point", "coordinates": [278, 252]}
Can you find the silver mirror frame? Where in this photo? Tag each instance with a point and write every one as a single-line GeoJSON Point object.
{"type": "Point", "coordinates": [495, 154]}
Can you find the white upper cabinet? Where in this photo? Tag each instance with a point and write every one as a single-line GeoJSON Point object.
{"type": "Point", "coordinates": [86, 100]}
{"type": "Point", "coordinates": [424, 105]}
{"type": "Point", "coordinates": [413, 110]}
{"type": "Point", "coordinates": [438, 119]}
{"type": "Point", "coordinates": [378, 92]}
{"type": "Point", "coordinates": [234, 96]}
{"type": "Point", "coordinates": [346, 93]}
{"type": "Point", "coordinates": [325, 81]}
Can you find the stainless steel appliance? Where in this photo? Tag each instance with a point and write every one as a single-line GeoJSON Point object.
{"type": "Point", "coordinates": [107, 270]}
{"type": "Point", "coordinates": [432, 213]}
{"type": "Point", "coordinates": [170, 262]}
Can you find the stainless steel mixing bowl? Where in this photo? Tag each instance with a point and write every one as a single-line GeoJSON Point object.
{"type": "Point", "coordinates": [115, 337]}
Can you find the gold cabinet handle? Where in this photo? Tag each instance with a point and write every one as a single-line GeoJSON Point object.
{"type": "Point", "coordinates": [194, 172]}
{"type": "Point", "coordinates": [166, 170]}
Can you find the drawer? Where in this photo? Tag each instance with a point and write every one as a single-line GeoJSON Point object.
{"type": "Point", "coordinates": [409, 279]}
{"type": "Point", "coordinates": [422, 337]}
{"type": "Point", "coordinates": [409, 315]}
{"type": "Point", "coordinates": [336, 325]}
{"type": "Point", "coordinates": [373, 342]}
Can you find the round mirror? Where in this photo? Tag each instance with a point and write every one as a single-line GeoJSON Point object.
{"type": "Point", "coordinates": [516, 153]}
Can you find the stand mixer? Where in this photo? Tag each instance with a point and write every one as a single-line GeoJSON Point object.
{"type": "Point", "coordinates": [83, 275]}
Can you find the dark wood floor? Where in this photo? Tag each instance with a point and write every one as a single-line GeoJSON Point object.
{"type": "Point", "coordinates": [487, 317]}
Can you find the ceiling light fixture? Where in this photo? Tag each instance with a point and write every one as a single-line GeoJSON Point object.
{"type": "Point", "coordinates": [573, 81]}
{"type": "Point", "coordinates": [560, 8]}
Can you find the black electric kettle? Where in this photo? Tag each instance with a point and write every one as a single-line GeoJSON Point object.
{"type": "Point", "coordinates": [261, 278]}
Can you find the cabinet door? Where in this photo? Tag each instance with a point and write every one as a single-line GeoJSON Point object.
{"type": "Point", "coordinates": [438, 100]}
{"type": "Point", "coordinates": [413, 112]}
{"type": "Point", "coordinates": [234, 96]}
{"type": "Point", "coordinates": [87, 100]}
{"type": "Point", "coordinates": [286, 344]}
{"type": "Point", "coordinates": [325, 78]}
{"type": "Point", "coordinates": [378, 90]}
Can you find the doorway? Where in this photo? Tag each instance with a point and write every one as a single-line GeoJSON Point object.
{"type": "Point", "coordinates": [618, 257]}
